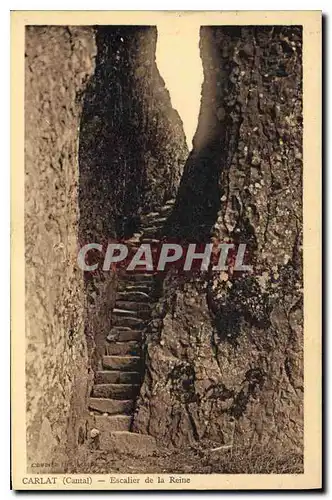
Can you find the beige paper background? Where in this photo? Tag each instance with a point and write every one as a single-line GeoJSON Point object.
{"type": "Point", "coordinates": [312, 174]}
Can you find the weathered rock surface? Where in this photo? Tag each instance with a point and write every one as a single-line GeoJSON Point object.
{"type": "Point", "coordinates": [132, 152]}
{"type": "Point", "coordinates": [224, 365]}
{"type": "Point", "coordinates": [223, 353]}
{"type": "Point", "coordinates": [59, 60]}
{"type": "Point", "coordinates": [127, 443]}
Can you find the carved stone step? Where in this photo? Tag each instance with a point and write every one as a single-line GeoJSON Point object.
{"type": "Point", "coordinates": [140, 277]}
{"type": "Point", "coordinates": [153, 225]}
{"type": "Point", "coordinates": [151, 231]}
{"type": "Point", "coordinates": [141, 315]}
{"type": "Point", "coordinates": [122, 363]}
{"type": "Point", "coordinates": [124, 442]}
{"type": "Point", "coordinates": [124, 312]}
{"type": "Point", "coordinates": [123, 334]}
{"type": "Point", "coordinates": [133, 296]}
{"type": "Point", "coordinates": [133, 322]}
{"type": "Point", "coordinates": [132, 305]}
{"type": "Point", "coordinates": [123, 349]}
{"type": "Point", "coordinates": [149, 215]}
{"type": "Point", "coordinates": [117, 377]}
{"type": "Point", "coordinates": [136, 313]}
{"type": "Point", "coordinates": [133, 242]}
{"type": "Point", "coordinates": [115, 391]}
{"type": "Point", "coordinates": [111, 406]}
{"type": "Point", "coordinates": [153, 222]}
{"type": "Point", "coordinates": [152, 241]}
{"type": "Point", "coordinates": [131, 286]}
{"type": "Point", "coordinates": [110, 423]}
{"type": "Point", "coordinates": [166, 209]}
{"type": "Point", "coordinates": [153, 216]}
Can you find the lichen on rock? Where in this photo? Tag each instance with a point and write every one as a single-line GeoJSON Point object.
{"type": "Point", "coordinates": [225, 365]}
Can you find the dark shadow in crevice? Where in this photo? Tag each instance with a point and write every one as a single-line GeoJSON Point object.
{"type": "Point", "coordinates": [198, 200]}
{"type": "Point", "coordinates": [132, 146]}
{"type": "Point", "coordinates": [131, 154]}
{"type": "Point", "coordinates": [111, 174]}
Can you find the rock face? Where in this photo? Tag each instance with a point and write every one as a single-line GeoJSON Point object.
{"type": "Point", "coordinates": [103, 145]}
{"type": "Point", "coordinates": [223, 351]}
{"type": "Point", "coordinates": [132, 145]}
{"type": "Point", "coordinates": [131, 156]}
{"type": "Point", "coordinates": [59, 60]}
{"type": "Point", "coordinates": [224, 361]}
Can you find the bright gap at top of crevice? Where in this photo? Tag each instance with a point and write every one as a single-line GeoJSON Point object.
{"type": "Point", "coordinates": [179, 63]}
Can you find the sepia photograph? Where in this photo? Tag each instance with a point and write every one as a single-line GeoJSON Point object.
{"type": "Point", "coordinates": [162, 250]}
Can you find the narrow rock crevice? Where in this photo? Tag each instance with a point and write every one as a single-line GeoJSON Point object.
{"type": "Point", "coordinates": [202, 361]}
{"type": "Point", "coordinates": [242, 183]}
{"type": "Point", "coordinates": [131, 156]}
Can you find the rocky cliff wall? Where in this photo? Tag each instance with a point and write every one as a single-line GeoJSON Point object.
{"type": "Point", "coordinates": [59, 61]}
{"type": "Point", "coordinates": [224, 356]}
{"type": "Point", "coordinates": [132, 153]}
{"type": "Point", "coordinates": [224, 351]}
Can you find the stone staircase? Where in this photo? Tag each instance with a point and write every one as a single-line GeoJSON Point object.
{"type": "Point", "coordinates": [117, 383]}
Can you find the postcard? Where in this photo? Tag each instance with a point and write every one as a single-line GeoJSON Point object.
{"type": "Point", "coordinates": [166, 250]}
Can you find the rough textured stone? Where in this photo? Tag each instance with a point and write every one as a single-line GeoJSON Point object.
{"type": "Point", "coordinates": [131, 155]}
{"type": "Point", "coordinates": [123, 334]}
{"type": "Point", "coordinates": [223, 352]}
{"type": "Point", "coordinates": [123, 349]}
{"type": "Point", "coordinates": [123, 363]}
{"type": "Point", "coordinates": [109, 423]}
{"type": "Point", "coordinates": [225, 364]}
{"type": "Point", "coordinates": [116, 377]}
{"type": "Point", "coordinates": [115, 391]}
{"type": "Point", "coordinates": [128, 443]}
{"type": "Point", "coordinates": [59, 60]}
{"type": "Point", "coordinates": [111, 406]}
